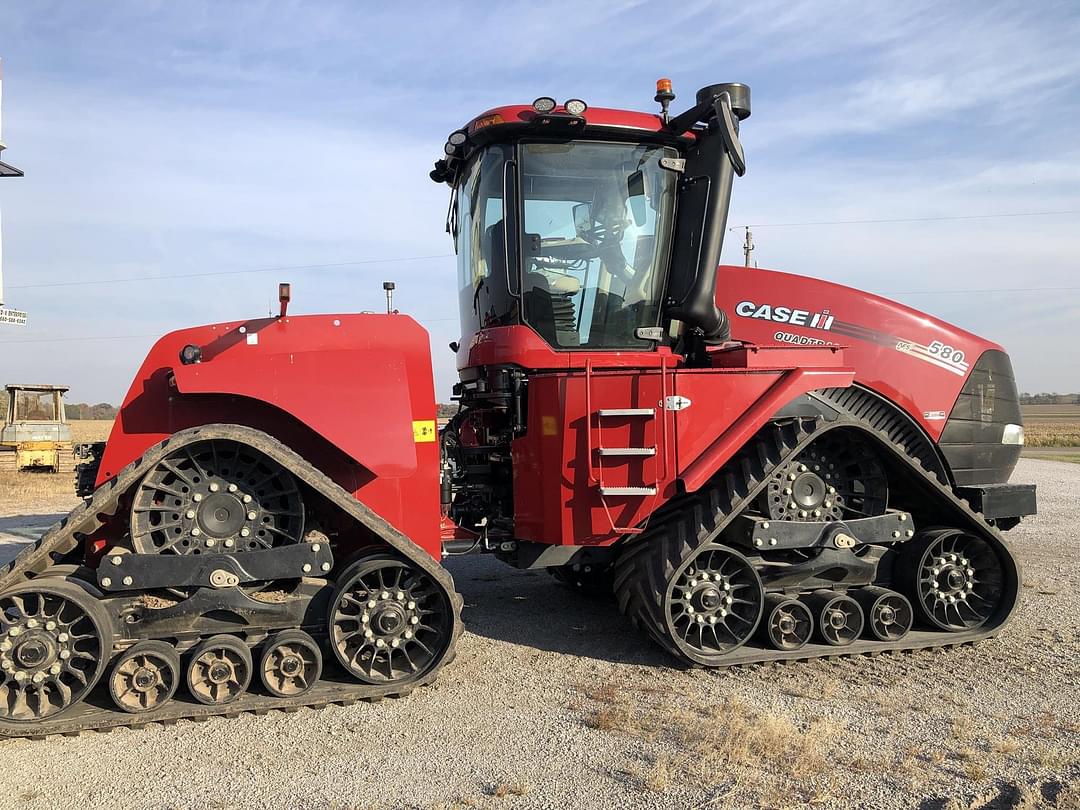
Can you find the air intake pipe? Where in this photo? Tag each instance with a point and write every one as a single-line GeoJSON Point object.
{"type": "Point", "coordinates": [704, 195]}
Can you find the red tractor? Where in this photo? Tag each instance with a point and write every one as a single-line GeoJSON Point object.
{"type": "Point", "coordinates": [758, 466]}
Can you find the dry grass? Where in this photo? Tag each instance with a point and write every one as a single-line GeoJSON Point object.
{"type": "Point", "coordinates": [1052, 434]}
{"type": "Point", "coordinates": [504, 790]}
{"type": "Point", "coordinates": [725, 738]}
{"type": "Point", "coordinates": [90, 430]}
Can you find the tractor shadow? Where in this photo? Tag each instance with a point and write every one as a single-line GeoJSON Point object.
{"type": "Point", "coordinates": [18, 530]}
{"type": "Point", "coordinates": [530, 608]}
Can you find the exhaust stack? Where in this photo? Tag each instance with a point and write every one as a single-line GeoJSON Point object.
{"type": "Point", "coordinates": [711, 166]}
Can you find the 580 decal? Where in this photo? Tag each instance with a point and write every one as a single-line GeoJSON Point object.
{"type": "Point", "coordinates": [937, 353]}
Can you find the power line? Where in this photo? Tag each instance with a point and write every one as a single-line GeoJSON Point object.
{"type": "Point", "coordinates": [905, 219]}
{"type": "Point", "coordinates": [292, 268]}
{"type": "Point", "coordinates": [998, 290]}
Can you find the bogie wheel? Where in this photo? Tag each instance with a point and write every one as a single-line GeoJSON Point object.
{"type": "Point", "coordinates": [145, 677]}
{"type": "Point", "coordinates": [219, 670]}
{"type": "Point", "coordinates": [839, 617]}
{"type": "Point", "coordinates": [587, 578]}
{"type": "Point", "coordinates": [787, 623]}
{"type": "Point", "coordinates": [713, 603]}
{"type": "Point", "coordinates": [888, 614]}
{"type": "Point", "coordinates": [956, 578]}
{"type": "Point", "coordinates": [55, 641]}
{"type": "Point", "coordinates": [291, 664]}
{"type": "Point", "coordinates": [216, 496]}
{"type": "Point", "coordinates": [390, 623]}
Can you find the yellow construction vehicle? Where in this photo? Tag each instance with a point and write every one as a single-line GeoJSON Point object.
{"type": "Point", "coordinates": [35, 433]}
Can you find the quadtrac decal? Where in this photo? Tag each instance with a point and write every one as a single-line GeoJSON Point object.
{"type": "Point", "coordinates": [936, 353]}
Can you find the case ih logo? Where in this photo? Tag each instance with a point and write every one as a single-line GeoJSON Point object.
{"type": "Point", "coordinates": [795, 317]}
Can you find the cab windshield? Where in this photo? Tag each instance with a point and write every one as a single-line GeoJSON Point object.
{"type": "Point", "coordinates": [586, 267]}
{"type": "Point", "coordinates": [595, 241]}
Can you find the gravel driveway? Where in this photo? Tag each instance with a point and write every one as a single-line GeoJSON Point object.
{"type": "Point", "coordinates": [554, 701]}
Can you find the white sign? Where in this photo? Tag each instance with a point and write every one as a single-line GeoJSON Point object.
{"type": "Point", "coordinates": [13, 317]}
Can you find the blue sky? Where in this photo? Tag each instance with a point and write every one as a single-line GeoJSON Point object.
{"type": "Point", "coordinates": [163, 138]}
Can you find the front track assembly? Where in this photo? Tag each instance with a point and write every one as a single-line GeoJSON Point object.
{"type": "Point", "coordinates": [791, 553]}
{"type": "Point", "coordinates": [92, 650]}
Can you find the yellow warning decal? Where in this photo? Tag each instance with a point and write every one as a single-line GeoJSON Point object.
{"type": "Point", "coordinates": [423, 430]}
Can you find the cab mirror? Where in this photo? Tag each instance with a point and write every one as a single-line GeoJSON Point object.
{"type": "Point", "coordinates": [583, 220]}
{"type": "Point", "coordinates": [635, 191]}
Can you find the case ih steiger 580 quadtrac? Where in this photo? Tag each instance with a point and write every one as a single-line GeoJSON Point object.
{"type": "Point", "coordinates": [825, 473]}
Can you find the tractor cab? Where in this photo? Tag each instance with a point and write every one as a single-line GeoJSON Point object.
{"type": "Point", "coordinates": [564, 221]}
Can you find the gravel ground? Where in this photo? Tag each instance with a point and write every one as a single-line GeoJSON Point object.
{"type": "Point", "coordinates": [554, 701]}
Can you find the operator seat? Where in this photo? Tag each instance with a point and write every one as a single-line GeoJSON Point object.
{"type": "Point", "coordinates": [549, 307]}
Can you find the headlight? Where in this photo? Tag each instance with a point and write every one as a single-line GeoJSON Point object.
{"type": "Point", "coordinates": [576, 106]}
{"type": "Point", "coordinates": [457, 138]}
{"type": "Point", "coordinates": [544, 104]}
{"type": "Point", "coordinates": [1013, 434]}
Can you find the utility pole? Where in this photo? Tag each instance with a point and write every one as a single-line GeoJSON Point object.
{"type": "Point", "coordinates": [6, 315]}
{"type": "Point", "coordinates": [748, 246]}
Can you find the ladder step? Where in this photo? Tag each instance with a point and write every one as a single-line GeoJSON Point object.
{"type": "Point", "coordinates": [626, 412]}
{"type": "Point", "coordinates": [627, 490]}
{"type": "Point", "coordinates": [627, 451]}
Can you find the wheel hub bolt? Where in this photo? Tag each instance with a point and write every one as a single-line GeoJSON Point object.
{"type": "Point", "coordinates": [792, 505]}
{"type": "Point", "coordinates": [802, 468]}
{"type": "Point", "coordinates": [787, 490]}
{"type": "Point", "coordinates": [414, 620]}
{"type": "Point", "coordinates": [210, 542]}
{"type": "Point", "coordinates": [245, 532]}
{"type": "Point", "coordinates": [20, 676]}
{"type": "Point", "coordinates": [368, 634]}
{"type": "Point", "coordinates": [831, 490]}
{"type": "Point", "coordinates": [802, 513]}
{"type": "Point", "coordinates": [65, 655]}
{"type": "Point", "coordinates": [252, 515]}
{"type": "Point", "coordinates": [195, 532]}
{"type": "Point", "coordinates": [307, 568]}
{"type": "Point", "coordinates": [55, 669]}
{"type": "Point", "coordinates": [62, 637]}
{"type": "Point", "coordinates": [5, 645]}
{"type": "Point", "coordinates": [700, 619]}
{"type": "Point", "coordinates": [197, 497]}
{"type": "Point", "coordinates": [712, 620]}
{"type": "Point", "coordinates": [371, 603]}
{"type": "Point", "coordinates": [214, 487]}
{"type": "Point", "coordinates": [15, 631]}
{"type": "Point", "coordinates": [395, 643]}
{"type": "Point", "coordinates": [232, 487]}
{"type": "Point", "coordinates": [31, 622]}
{"type": "Point", "coordinates": [229, 543]}
{"type": "Point", "coordinates": [384, 595]}
{"type": "Point", "coordinates": [411, 605]}
{"type": "Point", "coordinates": [791, 476]}
{"type": "Point", "coordinates": [380, 643]}
{"type": "Point", "coordinates": [246, 499]}
{"type": "Point", "coordinates": [325, 566]}
{"type": "Point", "coordinates": [408, 634]}
{"type": "Point", "coordinates": [400, 596]}
{"type": "Point", "coordinates": [189, 514]}
{"type": "Point", "coordinates": [722, 611]}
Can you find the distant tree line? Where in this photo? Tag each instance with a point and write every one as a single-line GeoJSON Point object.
{"type": "Point", "coordinates": [1049, 399]}
{"type": "Point", "coordinates": [74, 410]}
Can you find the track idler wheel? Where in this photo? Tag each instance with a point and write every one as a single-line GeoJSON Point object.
{"type": "Point", "coordinates": [390, 622]}
{"type": "Point", "coordinates": [219, 670]}
{"type": "Point", "coordinates": [888, 614]}
{"type": "Point", "coordinates": [55, 641]}
{"type": "Point", "coordinates": [956, 579]}
{"type": "Point", "coordinates": [291, 664]}
{"type": "Point", "coordinates": [145, 677]}
{"type": "Point", "coordinates": [787, 623]}
{"type": "Point", "coordinates": [839, 617]}
{"type": "Point", "coordinates": [713, 603]}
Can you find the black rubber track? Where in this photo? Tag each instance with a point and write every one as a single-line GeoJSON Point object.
{"type": "Point", "coordinates": [644, 568]}
{"type": "Point", "coordinates": [63, 542]}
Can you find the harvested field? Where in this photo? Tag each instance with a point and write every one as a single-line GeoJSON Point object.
{"type": "Point", "coordinates": [36, 492]}
{"type": "Point", "coordinates": [1051, 426]}
{"type": "Point", "coordinates": [555, 701]}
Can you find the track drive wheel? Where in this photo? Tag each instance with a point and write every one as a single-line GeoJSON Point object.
{"type": "Point", "coordinates": [219, 670]}
{"type": "Point", "coordinates": [391, 623]}
{"type": "Point", "coordinates": [787, 623]}
{"type": "Point", "coordinates": [145, 677]}
{"type": "Point", "coordinates": [291, 664]}
{"type": "Point", "coordinates": [956, 579]}
{"type": "Point", "coordinates": [55, 641]}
